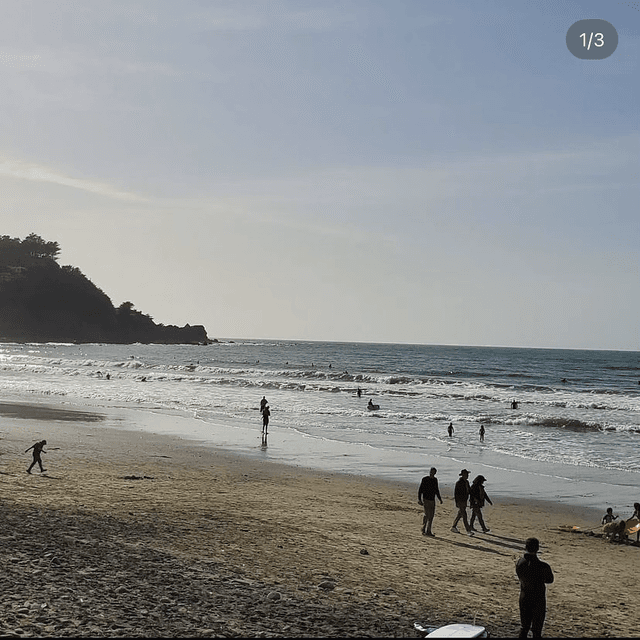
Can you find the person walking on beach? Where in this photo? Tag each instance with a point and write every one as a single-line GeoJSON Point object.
{"type": "Point", "coordinates": [38, 448]}
{"type": "Point", "coordinates": [450, 429]}
{"type": "Point", "coordinates": [263, 404]}
{"type": "Point", "coordinates": [534, 575]}
{"type": "Point", "coordinates": [481, 433]}
{"type": "Point", "coordinates": [477, 497]}
{"type": "Point", "coordinates": [265, 419]}
{"type": "Point", "coordinates": [461, 497]}
{"type": "Point", "coordinates": [427, 493]}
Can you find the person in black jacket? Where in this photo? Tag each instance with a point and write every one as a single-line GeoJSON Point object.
{"type": "Point", "coordinates": [427, 493]}
{"type": "Point", "coordinates": [534, 575]}
{"type": "Point", "coordinates": [461, 497]}
{"type": "Point", "coordinates": [477, 497]}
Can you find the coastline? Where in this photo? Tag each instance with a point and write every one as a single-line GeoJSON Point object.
{"type": "Point", "coordinates": [287, 530]}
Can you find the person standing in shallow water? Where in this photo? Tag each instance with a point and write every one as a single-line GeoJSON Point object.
{"type": "Point", "coordinates": [265, 419]}
{"type": "Point", "coordinates": [481, 433]}
{"type": "Point", "coordinates": [534, 575]}
{"type": "Point", "coordinates": [263, 404]}
{"type": "Point", "coordinates": [450, 429]}
{"type": "Point", "coordinates": [427, 493]}
{"type": "Point", "coordinates": [38, 448]}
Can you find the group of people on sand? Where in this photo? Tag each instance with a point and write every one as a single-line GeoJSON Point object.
{"type": "Point", "coordinates": [616, 531]}
{"type": "Point", "coordinates": [533, 574]}
{"type": "Point", "coordinates": [465, 495]}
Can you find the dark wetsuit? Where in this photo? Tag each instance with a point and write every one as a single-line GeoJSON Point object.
{"type": "Point", "coordinates": [37, 450]}
{"type": "Point", "coordinates": [265, 418]}
{"type": "Point", "coordinates": [534, 575]}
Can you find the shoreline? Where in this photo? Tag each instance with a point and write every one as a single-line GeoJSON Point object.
{"type": "Point", "coordinates": [128, 419]}
{"type": "Point", "coordinates": [315, 553]}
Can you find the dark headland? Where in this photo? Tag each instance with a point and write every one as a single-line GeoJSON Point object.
{"type": "Point", "coordinates": [42, 301]}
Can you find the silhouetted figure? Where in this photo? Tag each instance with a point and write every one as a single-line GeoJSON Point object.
{"type": "Point", "coordinates": [450, 429]}
{"type": "Point", "coordinates": [38, 448]}
{"type": "Point", "coordinates": [265, 419]}
{"type": "Point", "coordinates": [481, 433]}
{"type": "Point", "coordinates": [427, 493]}
{"type": "Point", "coordinates": [477, 497]}
{"type": "Point", "coordinates": [636, 515]}
{"type": "Point", "coordinates": [534, 575]}
{"type": "Point", "coordinates": [514, 404]}
{"type": "Point", "coordinates": [461, 497]}
{"type": "Point", "coordinates": [263, 404]}
{"type": "Point", "coordinates": [359, 392]}
{"type": "Point", "coordinates": [608, 517]}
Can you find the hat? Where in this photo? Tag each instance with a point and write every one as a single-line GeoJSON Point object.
{"type": "Point", "coordinates": [479, 479]}
{"type": "Point", "coordinates": [465, 471]}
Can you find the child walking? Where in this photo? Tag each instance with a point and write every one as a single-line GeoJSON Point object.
{"type": "Point", "coordinates": [38, 448]}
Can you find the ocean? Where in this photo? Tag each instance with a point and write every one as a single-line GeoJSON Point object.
{"type": "Point", "coordinates": [573, 437]}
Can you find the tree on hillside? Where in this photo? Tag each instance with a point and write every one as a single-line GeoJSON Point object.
{"type": "Point", "coordinates": [33, 248]}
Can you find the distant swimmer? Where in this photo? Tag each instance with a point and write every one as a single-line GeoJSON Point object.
{"type": "Point", "coordinates": [563, 380]}
{"type": "Point", "coordinates": [371, 406]}
{"type": "Point", "coordinates": [514, 404]}
{"type": "Point", "coordinates": [359, 392]}
{"type": "Point", "coordinates": [450, 429]}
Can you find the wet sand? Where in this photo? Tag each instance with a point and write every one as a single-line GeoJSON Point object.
{"type": "Point", "coordinates": [273, 550]}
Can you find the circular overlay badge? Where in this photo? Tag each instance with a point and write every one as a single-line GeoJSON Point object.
{"type": "Point", "coordinates": [592, 39]}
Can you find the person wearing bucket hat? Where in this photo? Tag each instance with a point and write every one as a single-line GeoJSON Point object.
{"type": "Point", "coordinates": [477, 497]}
{"type": "Point", "coordinates": [461, 497]}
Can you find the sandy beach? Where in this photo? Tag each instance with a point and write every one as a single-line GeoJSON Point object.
{"type": "Point", "coordinates": [137, 534]}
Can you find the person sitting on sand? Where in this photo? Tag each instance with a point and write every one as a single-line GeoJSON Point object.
{"type": "Point", "coordinates": [615, 531]}
{"type": "Point", "coordinates": [608, 517]}
{"type": "Point", "coordinates": [636, 516]}
{"type": "Point", "coordinates": [38, 448]}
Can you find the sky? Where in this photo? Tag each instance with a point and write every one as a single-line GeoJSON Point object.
{"type": "Point", "coordinates": [402, 171]}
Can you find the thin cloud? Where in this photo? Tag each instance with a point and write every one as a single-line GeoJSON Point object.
{"type": "Point", "coordinates": [38, 173]}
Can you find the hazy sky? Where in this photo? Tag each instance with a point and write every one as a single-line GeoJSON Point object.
{"type": "Point", "coordinates": [428, 171]}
